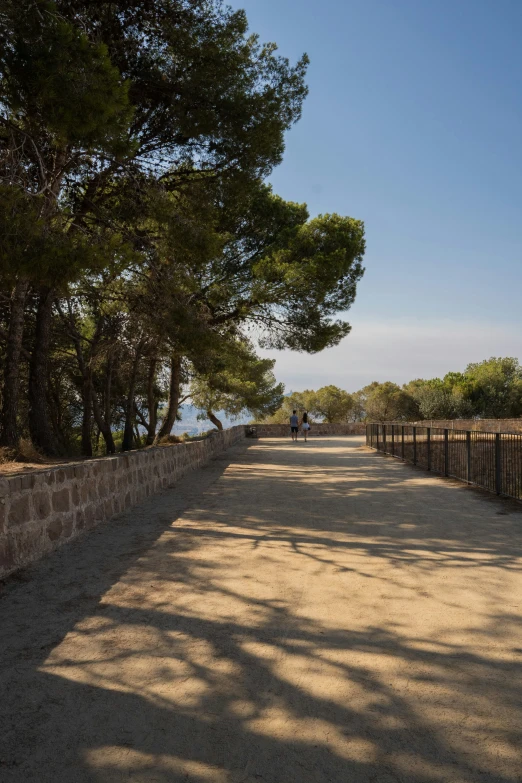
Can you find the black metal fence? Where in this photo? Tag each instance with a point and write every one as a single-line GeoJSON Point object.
{"type": "Point", "coordinates": [492, 460]}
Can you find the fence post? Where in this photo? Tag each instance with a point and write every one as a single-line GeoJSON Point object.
{"type": "Point", "coordinates": [384, 438]}
{"type": "Point", "coordinates": [498, 464]}
{"type": "Point", "coordinates": [402, 445]}
{"type": "Point", "coordinates": [415, 445]}
{"type": "Point", "coordinates": [428, 445]}
{"type": "Point", "coordinates": [393, 439]}
{"type": "Point", "coordinates": [446, 452]}
{"type": "Point", "coordinates": [468, 453]}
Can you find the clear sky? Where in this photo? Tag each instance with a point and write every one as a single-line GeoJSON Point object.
{"type": "Point", "coordinates": [413, 124]}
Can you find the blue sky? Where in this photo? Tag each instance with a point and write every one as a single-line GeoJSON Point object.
{"type": "Point", "coordinates": [413, 124]}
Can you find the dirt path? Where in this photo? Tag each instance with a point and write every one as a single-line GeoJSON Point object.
{"type": "Point", "coordinates": [295, 614]}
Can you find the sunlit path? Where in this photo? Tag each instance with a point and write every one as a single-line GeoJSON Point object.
{"type": "Point", "coordinates": [292, 613]}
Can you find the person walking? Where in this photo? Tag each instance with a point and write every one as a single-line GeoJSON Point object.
{"type": "Point", "coordinates": [305, 425]}
{"type": "Point", "coordinates": [294, 425]}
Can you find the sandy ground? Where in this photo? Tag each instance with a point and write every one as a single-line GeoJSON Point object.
{"type": "Point", "coordinates": [288, 614]}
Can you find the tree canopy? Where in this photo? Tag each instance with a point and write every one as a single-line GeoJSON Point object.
{"type": "Point", "coordinates": [143, 257]}
{"type": "Point", "coordinates": [236, 382]}
{"type": "Point", "coordinates": [488, 389]}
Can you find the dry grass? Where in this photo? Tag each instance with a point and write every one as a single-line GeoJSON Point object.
{"type": "Point", "coordinates": [26, 452]}
{"type": "Point", "coordinates": [24, 459]}
{"type": "Point", "coordinates": [168, 440]}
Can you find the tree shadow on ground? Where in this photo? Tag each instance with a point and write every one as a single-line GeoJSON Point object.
{"type": "Point", "coordinates": [153, 680]}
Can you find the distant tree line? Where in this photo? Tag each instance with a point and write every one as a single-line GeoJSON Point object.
{"type": "Point", "coordinates": [143, 257]}
{"type": "Point", "coordinates": [488, 389]}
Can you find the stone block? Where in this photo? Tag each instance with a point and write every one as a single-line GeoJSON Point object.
{"type": "Point", "coordinates": [7, 555]}
{"type": "Point", "coordinates": [80, 472]}
{"type": "Point", "coordinates": [15, 485]}
{"type": "Point", "coordinates": [3, 516]}
{"type": "Point", "coordinates": [27, 482]}
{"type": "Point", "coordinates": [89, 515]}
{"type": "Point", "coordinates": [4, 488]}
{"type": "Point", "coordinates": [88, 490]}
{"type": "Point", "coordinates": [67, 525]}
{"type": "Point", "coordinates": [41, 504]}
{"type": "Point", "coordinates": [84, 491]}
{"type": "Point", "coordinates": [54, 529]}
{"type": "Point", "coordinates": [19, 511]}
{"type": "Point", "coordinates": [75, 494]}
{"type": "Point", "coordinates": [59, 476]}
{"type": "Point", "coordinates": [61, 500]}
{"type": "Point", "coordinates": [29, 544]}
{"type": "Point", "coordinates": [79, 520]}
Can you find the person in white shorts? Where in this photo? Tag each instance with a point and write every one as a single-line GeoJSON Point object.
{"type": "Point", "coordinates": [305, 425]}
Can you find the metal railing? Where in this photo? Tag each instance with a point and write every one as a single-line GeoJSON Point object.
{"type": "Point", "coordinates": [492, 460]}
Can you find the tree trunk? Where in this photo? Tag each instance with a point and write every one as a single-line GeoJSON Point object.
{"type": "Point", "coordinates": [127, 443]}
{"type": "Point", "coordinates": [10, 435]}
{"type": "Point", "coordinates": [152, 403]}
{"type": "Point", "coordinates": [128, 432]}
{"type": "Point", "coordinates": [172, 410]}
{"type": "Point", "coordinates": [40, 427]}
{"type": "Point", "coordinates": [56, 416]}
{"type": "Point", "coordinates": [85, 367]}
{"type": "Point", "coordinates": [87, 415]}
{"type": "Point", "coordinates": [137, 438]}
{"type": "Point", "coordinates": [103, 426]}
{"type": "Point", "coordinates": [107, 431]}
{"type": "Point", "coordinates": [215, 421]}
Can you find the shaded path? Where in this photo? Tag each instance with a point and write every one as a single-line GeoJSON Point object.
{"type": "Point", "coordinates": [287, 614]}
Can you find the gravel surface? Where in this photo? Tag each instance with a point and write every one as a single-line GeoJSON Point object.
{"type": "Point", "coordinates": [288, 614]}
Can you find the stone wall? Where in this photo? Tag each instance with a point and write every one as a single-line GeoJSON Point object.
{"type": "Point", "coordinates": [480, 425]}
{"type": "Point", "coordinates": [42, 510]}
{"type": "Point", "coordinates": [283, 430]}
